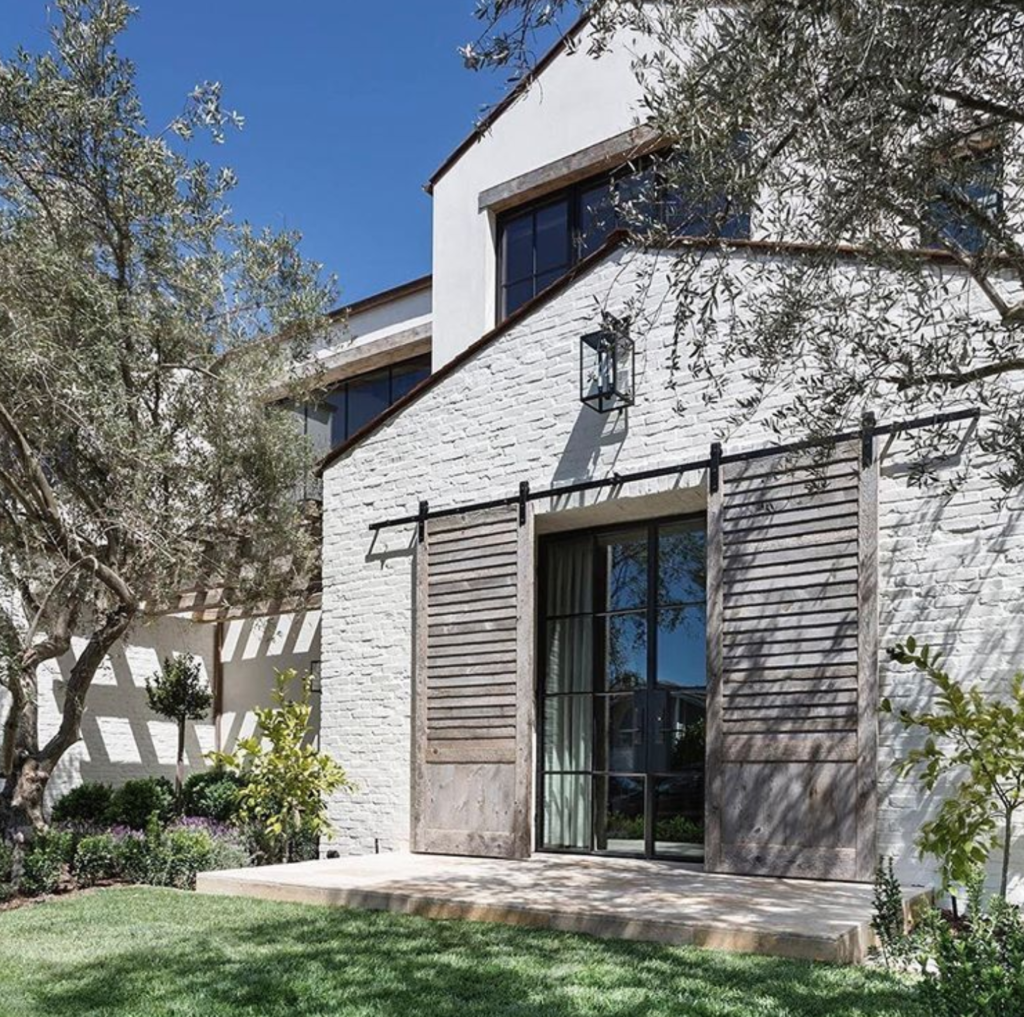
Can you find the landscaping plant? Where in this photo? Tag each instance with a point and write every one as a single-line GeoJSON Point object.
{"type": "Point", "coordinates": [88, 803]}
{"type": "Point", "coordinates": [141, 455]}
{"type": "Point", "coordinates": [288, 781]}
{"type": "Point", "coordinates": [136, 801]}
{"type": "Point", "coordinates": [179, 692]}
{"type": "Point", "coordinates": [977, 742]}
{"type": "Point", "coordinates": [212, 794]}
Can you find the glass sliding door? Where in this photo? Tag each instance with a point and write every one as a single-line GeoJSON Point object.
{"type": "Point", "coordinates": [622, 691]}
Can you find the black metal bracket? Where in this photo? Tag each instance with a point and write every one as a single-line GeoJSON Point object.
{"type": "Point", "coordinates": [868, 425]}
{"type": "Point", "coordinates": [422, 520]}
{"type": "Point", "coordinates": [524, 497]}
{"type": "Point", "coordinates": [715, 467]}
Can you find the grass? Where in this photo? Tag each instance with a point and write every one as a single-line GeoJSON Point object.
{"type": "Point", "coordinates": [150, 953]}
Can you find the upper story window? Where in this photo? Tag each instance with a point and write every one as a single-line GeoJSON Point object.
{"type": "Point", "coordinates": [539, 243]}
{"type": "Point", "coordinates": [969, 190]}
{"type": "Point", "coordinates": [349, 405]}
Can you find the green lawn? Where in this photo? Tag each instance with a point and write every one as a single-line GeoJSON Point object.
{"type": "Point", "coordinates": [147, 953]}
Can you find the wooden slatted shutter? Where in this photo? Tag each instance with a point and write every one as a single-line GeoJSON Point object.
{"type": "Point", "coordinates": [792, 633]}
{"type": "Point", "coordinates": [473, 696]}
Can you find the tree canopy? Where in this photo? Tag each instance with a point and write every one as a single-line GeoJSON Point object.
{"type": "Point", "coordinates": [141, 327]}
{"type": "Point", "coordinates": [883, 135]}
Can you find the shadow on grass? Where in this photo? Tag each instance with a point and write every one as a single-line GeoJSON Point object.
{"type": "Point", "coordinates": [206, 958]}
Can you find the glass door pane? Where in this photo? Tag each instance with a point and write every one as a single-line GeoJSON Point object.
{"type": "Point", "coordinates": [623, 691]}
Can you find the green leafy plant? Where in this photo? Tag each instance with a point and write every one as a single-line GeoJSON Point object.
{"type": "Point", "coordinates": [978, 742]}
{"type": "Point", "coordinates": [87, 803]}
{"type": "Point", "coordinates": [974, 967]}
{"type": "Point", "coordinates": [136, 801]}
{"type": "Point", "coordinates": [7, 887]}
{"type": "Point", "coordinates": [179, 692]}
{"type": "Point", "coordinates": [96, 859]}
{"type": "Point", "coordinates": [888, 920]}
{"type": "Point", "coordinates": [44, 863]}
{"type": "Point", "coordinates": [212, 794]}
{"type": "Point", "coordinates": [288, 781]}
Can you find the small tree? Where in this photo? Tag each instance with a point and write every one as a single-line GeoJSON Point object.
{"type": "Point", "coordinates": [979, 740]}
{"type": "Point", "coordinates": [287, 783]}
{"type": "Point", "coordinates": [179, 693]}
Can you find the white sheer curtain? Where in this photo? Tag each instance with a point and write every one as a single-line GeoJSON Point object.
{"type": "Point", "coordinates": [568, 714]}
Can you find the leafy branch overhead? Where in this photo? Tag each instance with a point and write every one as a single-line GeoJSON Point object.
{"type": "Point", "coordinates": [867, 132]}
{"type": "Point", "coordinates": [976, 743]}
{"type": "Point", "coordinates": [141, 328]}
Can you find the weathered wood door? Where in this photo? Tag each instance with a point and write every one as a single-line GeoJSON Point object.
{"type": "Point", "coordinates": [792, 646]}
{"type": "Point", "coordinates": [473, 696]}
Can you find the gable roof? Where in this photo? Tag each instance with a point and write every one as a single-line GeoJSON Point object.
{"type": "Point", "coordinates": [514, 95]}
{"type": "Point", "coordinates": [614, 240]}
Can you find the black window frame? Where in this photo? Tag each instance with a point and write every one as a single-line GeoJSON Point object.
{"type": "Point", "coordinates": [422, 361]}
{"type": "Point", "coordinates": [572, 194]}
{"type": "Point", "coordinates": [650, 610]}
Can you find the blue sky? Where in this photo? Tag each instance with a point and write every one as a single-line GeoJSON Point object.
{"type": "Point", "coordinates": [349, 108]}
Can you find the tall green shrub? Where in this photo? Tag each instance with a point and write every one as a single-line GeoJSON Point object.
{"type": "Point", "coordinates": [179, 692]}
{"type": "Point", "coordinates": [288, 781]}
{"type": "Point", "coordinates": [977, 742]}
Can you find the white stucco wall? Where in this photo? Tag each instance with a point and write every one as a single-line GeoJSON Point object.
{"type": "Point", "coordinates": [951, 567]}
{"type": "Point", "coordinates": [123, 739]}
{"type": "Point", "coordinates": [577, 102]}
{"type": "Point", "coordinates": [393, 317]}
{"type": "Point", "coordinates": [254, 650]}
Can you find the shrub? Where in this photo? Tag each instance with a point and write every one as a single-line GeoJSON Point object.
{"type": "Point", "coordinates": [42, 868]}
{"type": "Point", "coordinates": [212, 795]}
{"type": "Point", "coordinates": [87, 803]}
{"type": "Point", "coordinates": [888, 921]}
{"type": "Point", "coordinates": [135, 801]}
{"type": "Point", "coordinates": [7, 887]}
{"type": "Point", "coordinates": [977, 968]}
{"type": "Point", "coordinates": [287, 781]}
{"type": "Point", "coordinates": [133, 854]}
{"type": "Point", "coordinates": [97, 859]}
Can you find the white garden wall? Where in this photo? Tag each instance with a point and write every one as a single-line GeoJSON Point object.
{"type": "Point", "coordinates": [123, 739]}
{"type": "Point", "coordinates": [952, 568]}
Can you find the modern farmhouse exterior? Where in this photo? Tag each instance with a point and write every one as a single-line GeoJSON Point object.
{"type": "Point", "coordinates": [638, 632]}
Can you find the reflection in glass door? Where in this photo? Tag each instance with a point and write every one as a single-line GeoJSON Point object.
{"type": "Point", "coordinates": [623, 683]}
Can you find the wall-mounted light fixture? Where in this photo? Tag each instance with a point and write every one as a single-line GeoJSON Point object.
{"type": "Point", "coordinates": [608, 367]}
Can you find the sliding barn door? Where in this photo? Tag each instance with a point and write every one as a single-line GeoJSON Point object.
{"type": "Point", "coordinates": [473, 701]}
{"type": "Point", "coordinates": [792, 632]}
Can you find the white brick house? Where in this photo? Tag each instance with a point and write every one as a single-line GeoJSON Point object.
{"type": "Point", "coordinates": [661, 666]}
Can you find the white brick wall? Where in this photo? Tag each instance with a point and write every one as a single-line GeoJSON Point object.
{"type": "Point", "coordinates": [951, 567]}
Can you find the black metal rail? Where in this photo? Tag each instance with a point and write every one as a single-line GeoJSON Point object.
{"type": "Point", "coordinates": [713, 462]}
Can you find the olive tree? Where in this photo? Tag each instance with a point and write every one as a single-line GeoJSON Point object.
{"type": "Point", "coordinates": [141, 327]}
{"type": "Point", "coordinates": [862, 131]}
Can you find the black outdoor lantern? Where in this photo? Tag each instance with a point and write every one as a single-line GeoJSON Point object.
{"type": "Point", "coordinates": [608, 367]}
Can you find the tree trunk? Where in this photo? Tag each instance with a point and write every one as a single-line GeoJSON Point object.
{"type": "Point", "coordinates": [179, 775]}
{"type": "Point", "coordinates": [21, 800]}
{"type": "Point", "coordinates": [1004, 875]}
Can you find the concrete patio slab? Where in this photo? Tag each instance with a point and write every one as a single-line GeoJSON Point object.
{"type": "Point", "coordinates": [615, 898]}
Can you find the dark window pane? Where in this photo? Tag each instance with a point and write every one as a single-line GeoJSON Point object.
{"type": "Point", "coordinates": [625, 652]}
{"type": "Point", "coordinates": [625, 564]}
{"type": "Point", "coordinates": [568, 732]}
{"type": "Point", "coordinates": [620, 733]}
{"type": "Point", "coordinates": [367, 399]}
{"type": "Point", "coordinates": [636, 199]}
{"type": "Point", "coordinates": [619, 814]}
{"type": "Point", "coordinates": [567, 810]}
{"type": "Point", "coordinates": [679, 816]}
{"type": "Point", "coordinates": [552, 238]}
{"type": "Point", "coordinates": [517, 256]}
{"type": "Point", "coordinates": [677, 738]}
{"type": "Point", "coordinates": [405, 377]}
{"type": "Point", "coordinates": [596, 216]}
{"type": "Point", "coordinates": [570, 655]}
{"type": "Point", "coordinates": [516, 295]}
{"type": "Point", "coordinates": [682, 649]}
{"type": "Point", "coordinates": [681, 565]}
{"type": "Point", "coordinates": [976, 182]}
{"type": "Point", "coordinates": [335, 403]}
{"type": "Point", "coordinates": [545, 279]}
